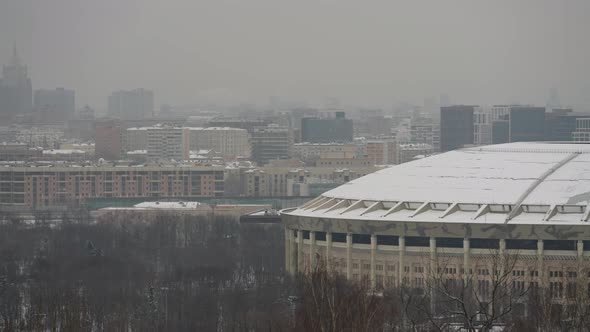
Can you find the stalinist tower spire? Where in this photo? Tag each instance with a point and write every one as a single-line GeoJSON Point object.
{"type": "Point", "coordinates": [15, 61]}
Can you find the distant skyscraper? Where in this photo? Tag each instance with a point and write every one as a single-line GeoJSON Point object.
{"type": "Point", "coordinates": [456, 127]}
{"type": "Point", "coordinates": [131, 105]}
{"type": "Point", "coordinates": [57, 106]}
{"type": "Point", "coordinates": [15, 88]}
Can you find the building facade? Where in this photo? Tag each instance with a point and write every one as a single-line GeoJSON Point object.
{"type": "Point", "coordinates": [108, 135]}
{"type": "Point", "coordinates": [229, 142]}
{"type": "Point", "coordinates": [337, 129]}
{"type": "Point", "coordinates": [167, 143]}
{"type": "Point", "coordinates": [35, 187]}
{"type": "Point", "coordinates": [527, 124]}
{"type": "Point", "coordinates": [456, 127]}
{"type": "Point", "coordinates": [270, 143]}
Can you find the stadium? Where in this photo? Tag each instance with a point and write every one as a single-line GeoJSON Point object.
{"type": "Point", "coordinates": [453, 211]}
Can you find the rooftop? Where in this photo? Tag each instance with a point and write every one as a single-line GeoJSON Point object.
{"type": "Point", "coordinates": [502, 183]}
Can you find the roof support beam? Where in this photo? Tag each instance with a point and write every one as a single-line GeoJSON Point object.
{"type": "Point", "coordinates": [550, 213]}
{"type": "Point", "coordinates": [423, 208]}
{"type": "Point", "coordinates": [338, 205]}
{"type": "Point", "coordinates": [325, 204]}
{"type": "Point", "coordinates": [452, 209]}
{"type": "Point", "coordinates": [356, 205]}
{"type": "Point", "coordinates": [586, 214]}
{"type": "Point", "coordinates": [397, 207]}
{"type": "Point", "coordinates": [482, 210]}
{"type": "Point", "coordinates": [373, 207]}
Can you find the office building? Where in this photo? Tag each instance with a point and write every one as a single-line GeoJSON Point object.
{"type": "Point", "coordinates": [270, 143]}
{"type": "Point", "coordinates": [135, 104]}
{"type": "Point", "coordinates": [336, 129]}
{"type": "Point", "coordinates": [456, 127]}
{"type": "Point", "coordinates": [527, 124]}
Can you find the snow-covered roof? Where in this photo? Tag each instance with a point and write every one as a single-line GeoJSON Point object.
{"type": "Point", "coordinates": [168, 205]}
{"type": "Point", "coordinates": [509, 181]}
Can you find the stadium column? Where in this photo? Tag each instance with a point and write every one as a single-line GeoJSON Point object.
{"type": "Point", "coordinates": [373, 253]}
{"type": "Point", "coordinates": [502, 255]}
{"type": "Point", "coordinates": [402, 254]}
{"type": "Point", "coordinates": [432, 254]}
{"type": "Point", "coordinates": [433, 269]}
{"type": "Point", "coordinates": [312, 254]}
{"type": "Point", "coordinates": [466, 260]}
{"type": "Point", "coordinates": [299, 251]}
{"type": "Point", "coordinates": [328, 250]}
{"type": "Point", "coordinates": [540, 264]}
{"type": "Point", "coordinates": [580, 256]}
{"type": "Point", "coordinates": [293, 252]}
{"type": "Point", "coordinates": [348, 256]}
{"type": "Point", "coordinates": [288, 235]}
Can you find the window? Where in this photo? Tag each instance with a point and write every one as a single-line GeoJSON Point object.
{"type": "Point", "coordinates": [559, 245]}
{"type": "Point", "coordinates": [389, 240]}
{"type": "Point", "coordinates": [361, 238]}
{"type": "Point", "coordinates": [521, 244]}
{"type": "Point", "coordinates": [417, 241]}
{"type": "Point", "coordinates": [449, 242]}
{"type": "Point", "coordinates": [339, 237]}
{"type": "Point", "coordinates": [484, 243]}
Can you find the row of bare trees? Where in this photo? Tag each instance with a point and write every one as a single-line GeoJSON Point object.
{"type": "Point", "coordinates": [501, 299]}
{"type": "Point", "coordinates": [173, 273]}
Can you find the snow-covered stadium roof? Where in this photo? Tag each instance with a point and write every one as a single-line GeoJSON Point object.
{"type": "Point", "coordinates": [515, 183]}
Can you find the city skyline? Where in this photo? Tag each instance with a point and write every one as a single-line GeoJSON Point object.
{"type": "Point", "coordinates": [375, 55]}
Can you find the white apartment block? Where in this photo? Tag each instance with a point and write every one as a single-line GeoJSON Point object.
{"type": "Point", "coordinates": [166, 143]}
{"type": "Point", "coordinates": [229, 142]}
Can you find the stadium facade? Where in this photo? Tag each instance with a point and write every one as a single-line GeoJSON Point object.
{"type": "Point", "coordinates": [454, 211]}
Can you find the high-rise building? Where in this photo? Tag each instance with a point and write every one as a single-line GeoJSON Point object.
{"type": "Point", "coordinates": [56, 106]}
{"type": "Point", "coordinates": [16, 93]}
{"type": "Point", "coordinates": [456, 127]}
{"type": "Point", "coordinates": [108, 139]}
{"type": "Point", "coordinates": [527, 124]}
{"type": "Point", "coordinates": [270, 143]}
{"type": "Point", "coordinates": [131, 105]}
{"type": "Point", "coordinates": [336, 129]}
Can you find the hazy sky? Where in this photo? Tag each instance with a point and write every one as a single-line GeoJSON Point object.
{"type": "Point", "coordinates": [362, 52]}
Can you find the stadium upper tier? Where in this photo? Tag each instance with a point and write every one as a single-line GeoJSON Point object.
{"type": "Point", "coordinates": [507, 183]}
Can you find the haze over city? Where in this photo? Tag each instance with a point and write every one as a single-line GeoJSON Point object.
{"type": "Point", "coordinates": [265, 165]}
{"type": "Point", "coordinates": [372, 54]}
